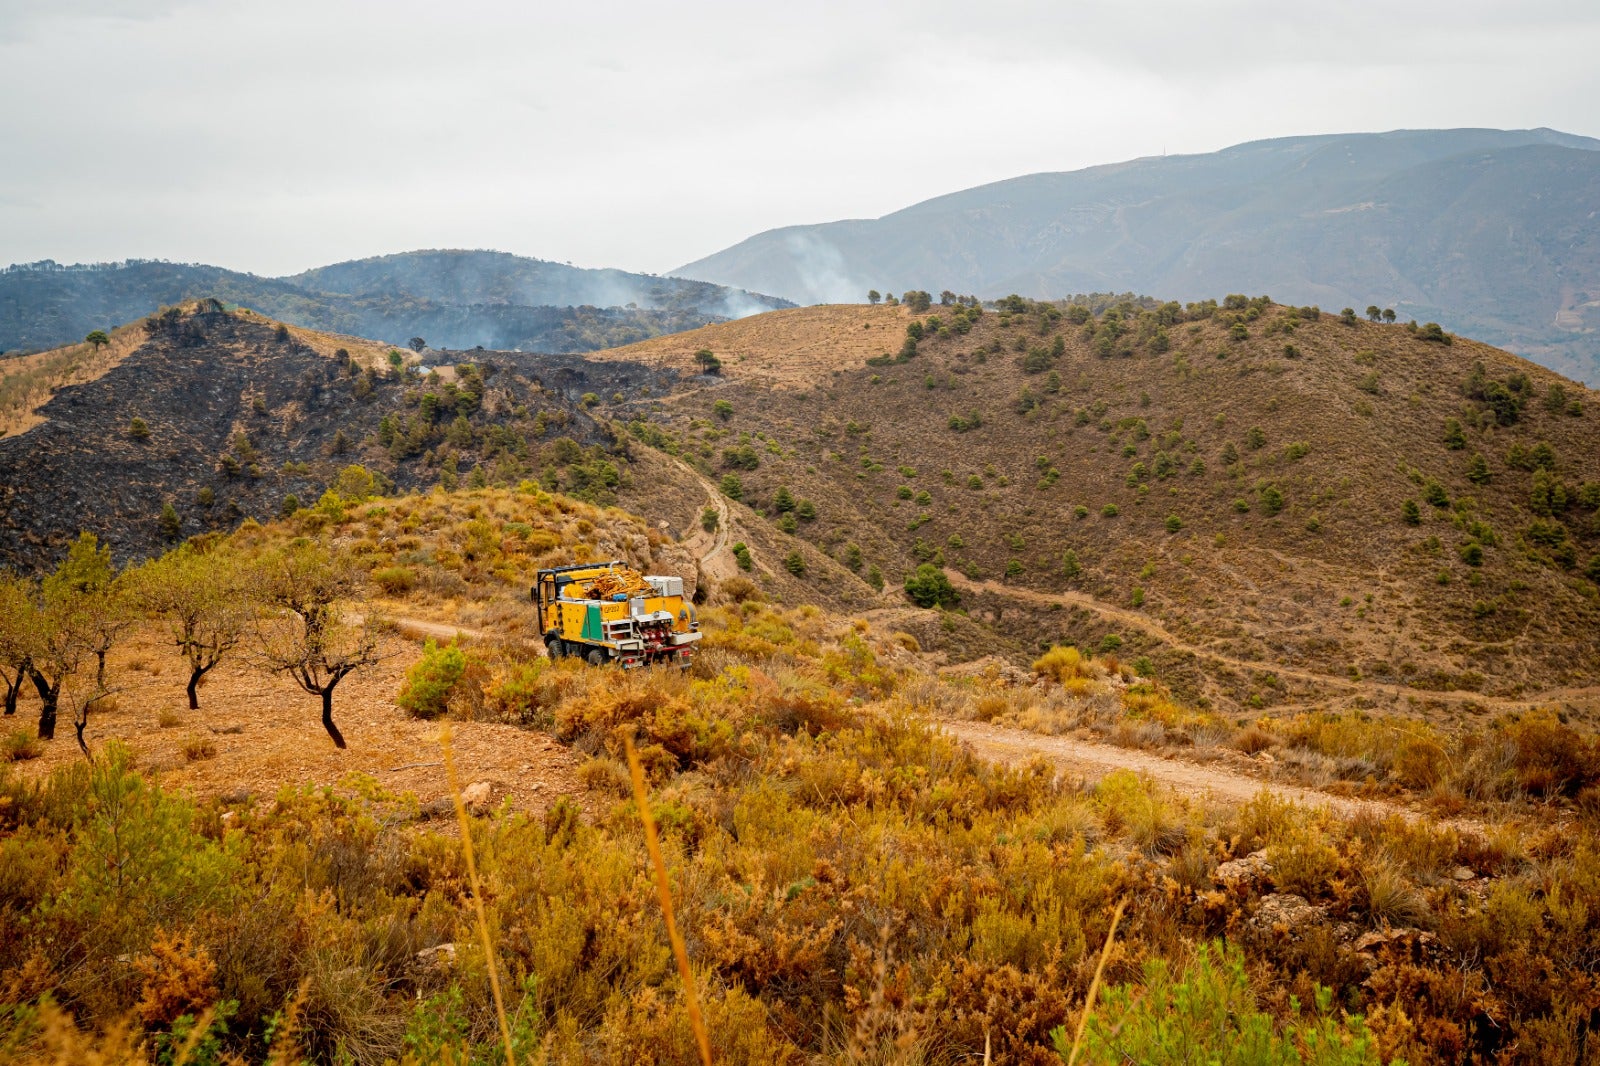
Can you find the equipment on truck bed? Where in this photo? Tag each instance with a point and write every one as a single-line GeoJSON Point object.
{"type": "Point", "coordinates": [609, 612]}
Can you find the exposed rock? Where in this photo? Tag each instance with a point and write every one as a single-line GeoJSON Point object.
{"type": "Point", "coordinates": [440, 956]}
{"type": "Point", "coordinates": [478, 796]}
{"type": "Point", "coordinates": [1462, 873]}
{"type": "Point", "coordinates": [1286, 914]}
{"type": "Point", "coordinates": [1246, 873]}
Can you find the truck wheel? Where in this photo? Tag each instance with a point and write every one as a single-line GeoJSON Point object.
{"type": "Point", "coordinates": [555, 649]}
{"type": "Point", "coordinates": [597, 657]}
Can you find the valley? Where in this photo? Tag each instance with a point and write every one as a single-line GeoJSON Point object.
{"type": "Point", "coordinates": [1274, 627]}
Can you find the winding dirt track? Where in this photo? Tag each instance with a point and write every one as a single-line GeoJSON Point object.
{"type": "Point", "coordinates": [1144, 623]}
{"type": "Point", "coordinates": [1185, 778]}
{"type": "Point", "coordinates": [1073, 755]}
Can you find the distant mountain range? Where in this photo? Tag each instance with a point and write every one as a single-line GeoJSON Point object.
{"type": "Point", "coordinates": [1493, 233]}
{"type": "Point", "coordinates": [451, 299]}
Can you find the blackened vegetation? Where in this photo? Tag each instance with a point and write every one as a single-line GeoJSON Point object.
{"type": "Point", "coordinates": [239, 416]}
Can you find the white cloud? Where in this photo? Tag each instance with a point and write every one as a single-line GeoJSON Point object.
{"type": "Point", "coordinates": [278, 136]}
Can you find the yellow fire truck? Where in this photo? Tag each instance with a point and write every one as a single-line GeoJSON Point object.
{"type": "Point", "coordinates": [608, 612]}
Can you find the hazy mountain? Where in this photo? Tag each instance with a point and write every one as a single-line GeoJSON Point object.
{"type": "Point", "coordinates": [1491, 232]}
{"type": "Point", "coordinates": [452, 299]}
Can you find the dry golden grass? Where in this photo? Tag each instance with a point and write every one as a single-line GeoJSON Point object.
{"type": "Point", "coordinates": [795, 348]}
{"type": "Point", "coordinates": [28, 381]}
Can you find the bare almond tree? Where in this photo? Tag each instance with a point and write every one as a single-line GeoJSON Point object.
{"type": "Point", "coordinates": [306, 635]}
{"type": "Point", "coordinates": [17, 597]}
{"type": "Point", "coordinates": [204, 597]}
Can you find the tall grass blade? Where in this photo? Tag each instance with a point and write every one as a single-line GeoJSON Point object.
{"type": "Point", "coordinates": [477, 894]}
{"type": "Point", "coordinates": [642, 797]}
{"type": "Point", "coordinates": [1094, 984]}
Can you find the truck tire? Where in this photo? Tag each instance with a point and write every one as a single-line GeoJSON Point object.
{"type": "Point", "coordinates": [597, 656]}
{"type": "Point", "coordinates": [555, 648]}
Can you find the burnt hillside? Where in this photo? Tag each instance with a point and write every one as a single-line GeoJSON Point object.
{"type": "Point", "coordinates": [223, 416]}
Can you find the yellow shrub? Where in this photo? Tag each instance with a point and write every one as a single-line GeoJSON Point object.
{"type": "Point", "coordinates": [1062, 664]}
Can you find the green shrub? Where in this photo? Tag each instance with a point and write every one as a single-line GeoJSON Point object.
{"type": "Point", "coordinates": [395, 580]}
{"type": "Point", "coordinates": [741, 555]}
{"type": "Point", "coordinates": [1208, 1014]}
{"type": "Point", "coordinates": [795, 563]}
{"type": "Point", "coordinates": [426, 691]}
{"type": "Point", "coordinates": [20, 745]}
{"type": "Point", "coordinates": [1271, 500]}
{"type": "Point", "coordinates": [1411, 513]}
{"type": "Point", "coordinates": [709, 519]}
{"type": "Point", "coordinates": [1174, 523]}
{"type": "Point", "coordinates": [732, 487]}
{"type": "Point", "coordinates": [927, 586]}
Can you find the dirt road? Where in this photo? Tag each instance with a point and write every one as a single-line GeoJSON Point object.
{"type": "Point", "coordinates": [1130, 619]}
{"type": "Point", "coordinates": [1215, 783]}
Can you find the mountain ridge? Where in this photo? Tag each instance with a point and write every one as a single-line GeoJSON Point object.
{"type": "Point", "coordinates": [1432, 222]}
{"type": "Point", "coordinates": [436, 294]}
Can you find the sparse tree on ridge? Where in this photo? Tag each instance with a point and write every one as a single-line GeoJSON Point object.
{"type": "Point", "coordinates": [1388, 315]}
{"type": "Point", "coordinates": [417, 344]}
{"type": "Point", "coordinates": [1374, 313]}
{"type": "Point", "coordinates": [97, 339]}
{"type": "Point", "coordinates": [708, 362]}
{"type": "Point", "coordinates": [309, 638]}
{"type": "Point", "coordinates": [873, 296]}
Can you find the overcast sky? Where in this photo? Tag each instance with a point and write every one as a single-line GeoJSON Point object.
{"type": "Point", "coordinates": [275, 135]}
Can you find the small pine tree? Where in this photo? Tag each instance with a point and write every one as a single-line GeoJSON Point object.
{"type": "Point", "coordinates": [709, 519]}
{"type": "Point", "coordinates": [1411, 513]}
{"type": "Point", "coordinates": [171, 523]}
{"type": "Point", "coordinates": [1454, 439]}
{"type": "Point", "coordinates": [741, 555]}
{"type": "Point", "coordinates": [795, 563]}
{"type": "Point", "coordinates": [852, 556]}
{"type": "Point", "coordinates": [783, 502]}
{"type": "Point", "coordinates": [875, 577]}
{"type": "Point", "coordinates": [1478, 470]}
{"type": "Point", "coordinates": [732, 487]}
{"type": "Point", "coordinates": [1070, 567]}
{"type": "Point", "coordinates": [806, 510]}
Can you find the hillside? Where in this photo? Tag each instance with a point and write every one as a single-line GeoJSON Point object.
{"type": "Point", "coordinates": [852, 883]}
{"type": "Point", "coordinates": [453, 299]}
{"type": "Point", "coordinates": [1276, 508]}
{"type": "Point", "coordinates": [224, 415]}
{"type": "Point", "coordinates": [1486, 231]}
{"type": "Point", "coordinates": [1233, 487]}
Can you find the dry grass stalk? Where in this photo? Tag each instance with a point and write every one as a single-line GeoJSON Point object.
{"type": "Point", "coordinates": [1094, 983]}
{"type": "Point", "coordinates": [477, 894]}
{"type": "Point", "coordinates": [679, 952]}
